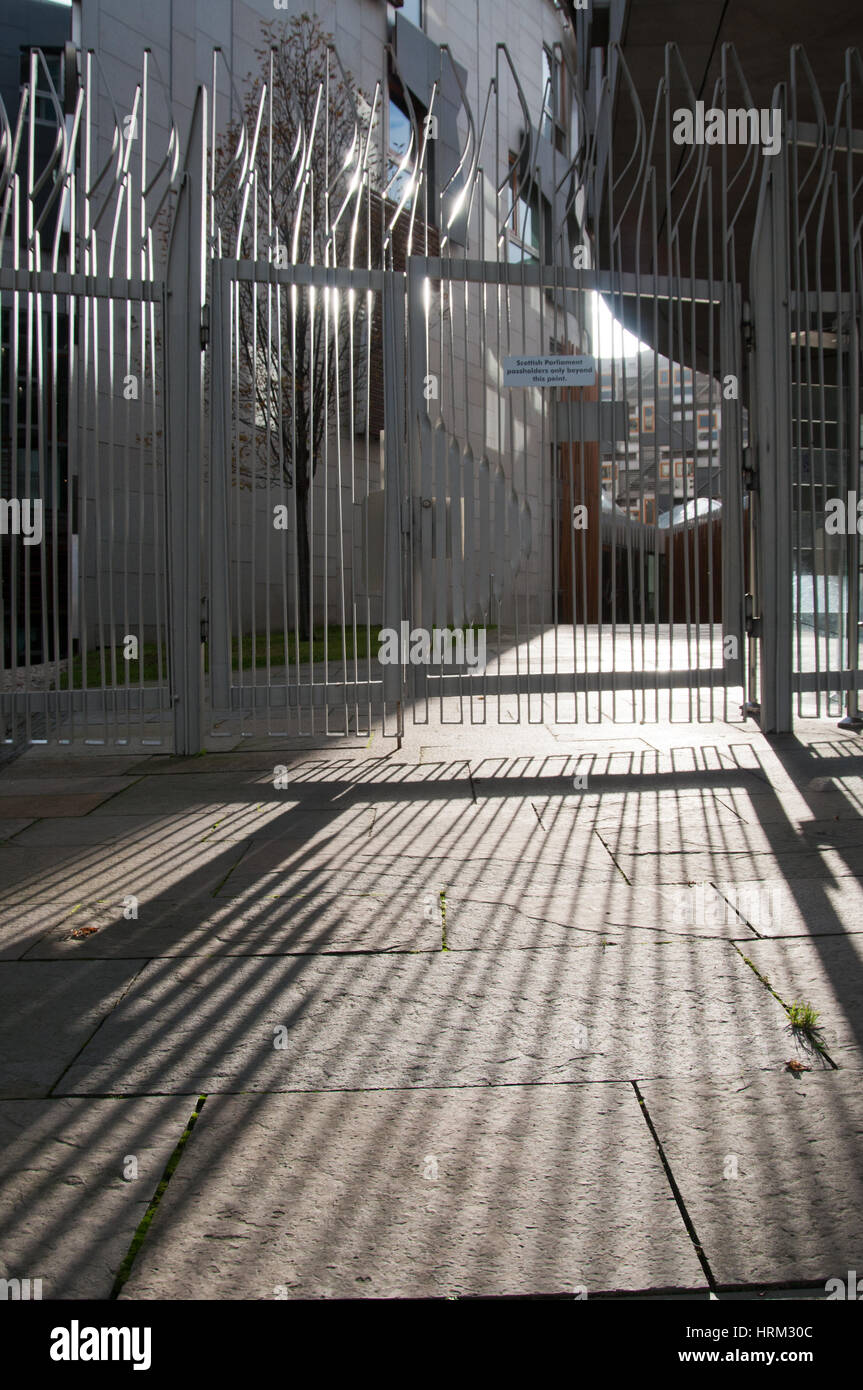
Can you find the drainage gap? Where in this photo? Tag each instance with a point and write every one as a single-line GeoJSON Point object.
{"type": "Point", "coordinates": [678, 1196]}
{"type": "Point", "coordinates": [144, 1225]}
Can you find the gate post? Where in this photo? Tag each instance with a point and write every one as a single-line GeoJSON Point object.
{"type": "Point", "coordinates": [184, 362]}
{"type": "Point", "coordinates": [731, 490]}
{"type": "Point", "coordinates": [770, 281]}
{"type": "Point", "coordinates": [393, 301]}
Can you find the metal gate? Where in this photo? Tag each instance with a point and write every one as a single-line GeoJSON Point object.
{"type": "Point", "coordinates": [601, 571]}
{"type": "Point", "coordinates": [86, 592]}
{"type": "Point", "coordinates": [290, 407]}
{"type": "Point", "coordinates": [807, 280]}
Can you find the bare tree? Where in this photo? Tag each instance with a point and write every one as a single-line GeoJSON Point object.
{"type": "Point", "coordinates": [298, 149]}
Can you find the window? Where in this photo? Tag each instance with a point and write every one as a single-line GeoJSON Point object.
{"type": "Point", "coordinates": [556, 100]}
{"type": "Point", "coordinates": [708, 427]}
{"type": "Point", "coordinates": [682, 385]}
{"type": "Point", "coordinates": [412, 10]}
{"type": "Point", "coordinates": [648, 418]}
{"type": "Point", "coordinates": [398, 144]}
{"type": "Point", "coordinates": [664, 468]}
{"type": "Point", "coordinates": [45, 111]}
{"type": "Point", "coordinates": [663, 376]}
{"type": "Point", "coordinates": [525, 212]}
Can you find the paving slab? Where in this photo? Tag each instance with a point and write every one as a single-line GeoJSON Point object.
{"type": "Point", "coordinates": [301, 824]}
{"type": "Point", "coordinates": [794, 809]}
{"type": "Point", "coordinates": [450, 1193]}
{"type": "Point", "coordinates": [23, 927]}
{"type": "Point", "coordinates": [62, 831]}
{"type": "Point", "coordinates": [51, 760]}
{"type": "Point", "coordinates": [82, 785]}
{"type": "Point", "coordinates": [809, 907]}
{"type": "Point", "coordinates": [182, 865]}
{"type": "Point", "coordinates": [27, 872]}
{"type": "Point", "coordinates": [769, 1171]}
{"type": "Point", "coordinates": [67, 1213]}
{"type": "Point", "coordinates": [281, 869]}
{"type": "Point", "coordinates": [48, 1011]}
{"type": "Point", "coordinates": [458, 832]}
{"type": "Point", "coordinates": [13, 825]}
{"type": "Point", "coordinates": [661, 866]}
{"type": "Point", "coordinates": [826, 973]}
{"type": "Point", "coordinates": [448, 1018]}
{"type": "Point", "coordinates": [275, 927]}
{"type": "Point", "coordinates": [51, 804]}
{"type": "Point", "coordinates": [250, 760]}
{"type": "Point", "coordinates": [317, 786]}
{"type": "Point", "coordinates": [629, 811]}
{"type": "Point", "coordinates": [613, 910]}
{"type": "Point", "coordinates": [699, 832]}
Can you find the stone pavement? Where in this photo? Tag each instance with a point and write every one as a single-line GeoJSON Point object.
{"type": "Point", "coordinates": [432, 1021]}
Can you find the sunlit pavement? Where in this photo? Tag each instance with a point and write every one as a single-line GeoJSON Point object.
{"type": "Point", "coordinates": [502, 1010]}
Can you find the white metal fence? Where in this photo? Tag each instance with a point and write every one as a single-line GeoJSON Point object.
{"type": "Point", "coordinates": [255, 376]}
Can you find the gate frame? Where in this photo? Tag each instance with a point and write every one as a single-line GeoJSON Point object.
{"type": "Point", "coordinates": [728, 299]}
{"type": "Point", "coordinates": [224, 696]}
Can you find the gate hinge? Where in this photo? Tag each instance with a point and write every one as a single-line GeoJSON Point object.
{"type": "Point", "coordinates": [205, 325]}
{"type": "Point", "coordinates": [205, 619]}
{"type": "Point", "coordinates": [750, 472]}
{"type": "Point", "coordinates": [747, 328]}
{"type": "Point", "coordinates": [406, 516]}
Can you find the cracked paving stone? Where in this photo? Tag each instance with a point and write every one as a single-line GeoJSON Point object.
{"type": "Point", "coordinates": [826, 973]}
{"type": "Point", "coordinates": [272, 869]}
{"type": "Point", "coordinates": [805, 907]}
{"type": "Point", "coordinates": [613, 911]}
{"type": "Point", "coordinates": [48, 1010]}
{"type": "Point", "coordinates": [549, 1189]}
{"type": "Point", "coordinates": [67, 1213]}
{"type": "Point", "coordinates": [662, 1008]}
{"type": "Point", "coordinates": [709, 866]}
{"type": "Point", "coordinates": [769, 1171]}
{"type": "Point", "coordinates": [183, 865]}
{"type": "Point", "coordinates": [279, 926]}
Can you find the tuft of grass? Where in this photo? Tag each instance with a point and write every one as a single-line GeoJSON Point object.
{"type": "Point", "coordinates": [803, 1024]}
{"type": "Point", "coordinates": [804, 1017]}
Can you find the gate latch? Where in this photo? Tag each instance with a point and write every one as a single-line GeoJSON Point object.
{"type": "Point", "coordinates": [750, 473]}
{"type": "Point", "coordinates": [752, 626]}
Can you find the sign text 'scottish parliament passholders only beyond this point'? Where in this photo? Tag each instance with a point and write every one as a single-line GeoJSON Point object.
{"type": "Point", "coordinates": [567, 370]}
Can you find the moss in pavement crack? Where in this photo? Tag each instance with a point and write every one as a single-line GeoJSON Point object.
{"type": "Point", "coordinates": [144, 1225]}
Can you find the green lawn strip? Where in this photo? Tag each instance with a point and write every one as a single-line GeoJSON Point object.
{"type": "Point", "coordinates": [106, 667]}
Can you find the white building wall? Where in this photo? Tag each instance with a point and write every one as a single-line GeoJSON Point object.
{"type": "Point", "coordinates": [181, 35]}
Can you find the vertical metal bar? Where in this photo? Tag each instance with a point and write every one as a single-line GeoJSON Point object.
{"type": "Point", "coordinates": [393, 333]}
{"type": "Point", "coordinates": [184, 389]}
{"type": "Point", "coordinates": [221, 396]}
{"type": "Point", "coordinates": [731, 486]}
{"type": "Point", "coordinates": [770, 284]}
